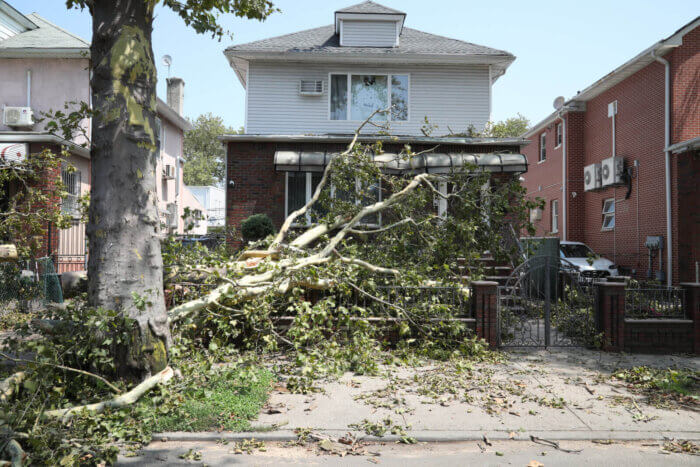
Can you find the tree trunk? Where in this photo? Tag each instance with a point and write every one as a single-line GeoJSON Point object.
{"type": "Point", "coordinates": [125, 268]}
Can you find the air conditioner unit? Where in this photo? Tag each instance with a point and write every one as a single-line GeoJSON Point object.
{"type": "Point", "coordinates": [592, 177]}
{"type": "Point", "coordinates": [172, 215]}
{"type": "Point", "coordinates": [309, 87]}
{"type": "Point", "coordinates": [612, 170]}
{"type": "Point", "coordinates": [18, 116]}
{"type": "Point", "coordinates": [168, 171]}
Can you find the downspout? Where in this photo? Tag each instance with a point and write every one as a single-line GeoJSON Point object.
{"type": "Point", "coordinates": [667, 163]}
{"type": "Point", "coordinates": [563, 177]}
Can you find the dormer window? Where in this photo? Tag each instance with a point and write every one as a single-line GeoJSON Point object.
{"type": "Point", "coordinates": [369, 24]}
{"type": "Point", "coordinates": [356, 97]}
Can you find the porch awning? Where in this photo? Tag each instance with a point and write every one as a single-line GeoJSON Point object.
{"type": "Point", "coordinates": [300, 161]}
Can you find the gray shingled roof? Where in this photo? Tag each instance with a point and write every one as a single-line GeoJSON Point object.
{"type": "Point", "coordinates": [372, 8]}
{"type": "Point", "coordinates": [324, 41]}
{"type": "Point", "coordinates": [46, 36]}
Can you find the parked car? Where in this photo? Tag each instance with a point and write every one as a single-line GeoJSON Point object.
{"type": "Point", "coordinates": [588, 264]}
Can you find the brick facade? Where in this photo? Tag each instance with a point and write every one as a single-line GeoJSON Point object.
{"type": "Point", "coordinates": [254, 186]}
{"type": "Point", "coordinates": [639, 139]}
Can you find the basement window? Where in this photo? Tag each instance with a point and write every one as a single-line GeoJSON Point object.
{"type": "Point", "coordinates": [609, 214]}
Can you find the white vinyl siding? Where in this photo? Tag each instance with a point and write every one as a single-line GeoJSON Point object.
{"type": "Point", "coordinates": [454, 96]}
{"type": "Point", "coordinates": [368, 33]}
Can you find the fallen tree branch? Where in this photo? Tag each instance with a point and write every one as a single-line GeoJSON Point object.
{"type": "Point", "coordinates": [15, 452]}
{"type": "Point", "coordinates": [120, 401]}
{"type": "Point", "coordinates": [62, 367]}
{"type": "Point", "coordinates": [8, 385]}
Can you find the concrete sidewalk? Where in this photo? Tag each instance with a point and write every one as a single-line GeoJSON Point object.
{"type": "Point", "coordinates": [564, 394]}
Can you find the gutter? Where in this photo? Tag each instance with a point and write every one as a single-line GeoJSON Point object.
{"type": "Point", "coordinates": [247, 138]}
{"type": "Point", "coordinates": [667, 163]}
{"type": "Point", "coordinates": [34, 137]}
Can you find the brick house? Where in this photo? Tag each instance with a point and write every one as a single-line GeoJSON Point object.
{"type": "Point", "coordinates": [613, 205]}
{"type": "Point", "coordinates": [42, 67]}
{"type": "Point", "coordinates": [307, 92]}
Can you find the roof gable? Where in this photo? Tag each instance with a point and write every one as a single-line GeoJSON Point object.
{"type": "Point", "coordinates": [370, 7]}
{"type": "Point", "coordinates": [46, 39]}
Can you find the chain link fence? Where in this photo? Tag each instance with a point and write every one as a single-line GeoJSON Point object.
{"type": "Point", "coordinates": [24, 283]}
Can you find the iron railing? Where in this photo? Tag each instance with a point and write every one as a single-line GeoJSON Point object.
{"type": "Point", "coordinates": [654, 303]}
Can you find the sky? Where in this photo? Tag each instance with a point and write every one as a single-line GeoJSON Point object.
{"type": "Point", "coordinates": [561, 46]}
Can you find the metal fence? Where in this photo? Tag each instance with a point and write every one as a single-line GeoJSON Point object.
{"type": "Point", "coordinates": [650, 302]}
{"type": "Point", "coordinates": [30, 281]}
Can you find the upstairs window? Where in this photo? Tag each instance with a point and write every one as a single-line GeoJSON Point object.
{"type": "Point", "coordinates": [559, 134]}
{"type": "Point", "coordinates": [543, 147]}
{"type": "Point", "coordinates": [609, 214]}
{"type": "Point", "coordinates": [356, 97]}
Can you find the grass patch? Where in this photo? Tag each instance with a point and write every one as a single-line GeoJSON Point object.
{"type": "Point", "coordinates": [227, 401]}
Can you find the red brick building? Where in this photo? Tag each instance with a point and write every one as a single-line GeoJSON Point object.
{"type": "Point", "coordinates": [645, 114]}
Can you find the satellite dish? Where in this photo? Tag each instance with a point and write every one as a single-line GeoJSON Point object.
{"type": "Point", "coordinates": [167, 61]}
{"type": "Point", "coordinates": [559, 102]}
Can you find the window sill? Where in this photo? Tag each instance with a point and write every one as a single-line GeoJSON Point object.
{"type": "Point", "coordinates": [610, 229]}
{"type": "Point", "coordinates": [542, 161]}
{"type": "Point", "coordinates": [557, 146]}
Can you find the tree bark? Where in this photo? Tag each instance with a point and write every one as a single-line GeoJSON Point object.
{"type": "Point", "coordinates": [125, 268]}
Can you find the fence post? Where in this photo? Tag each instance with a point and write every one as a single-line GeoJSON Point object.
{"type": "Point", "coordinates": [485, 295]}
{"type": "Point", "coordinates": [610, 314]}
{"type": "Point", "coordinates": [691, 291]}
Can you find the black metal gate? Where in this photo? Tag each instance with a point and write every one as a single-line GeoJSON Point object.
{"type": "Point", "coordinates": [546, 303]}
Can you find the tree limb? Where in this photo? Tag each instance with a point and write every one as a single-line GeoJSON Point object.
{"type": "Point", "coordinates": [15, 451]}
{"type": "Point", "coordinates": [67, 368]}
{"type": "Point", "coordinates": [120, 401]}
{"type": "Point", "coordinates": [7, 386]}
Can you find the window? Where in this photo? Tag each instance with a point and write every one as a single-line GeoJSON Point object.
{"type": "Point", "coordinates": [555, 215]}
{"type": "Point", "coordinates": [300, 189]}
{"type": "Point", "coordinates": [609, 214]}
{"type": "Point", "coordinates": [71, 181]}
{"type": "Point", "coordinates": [356, 97]}
{"type": "Point", "coordinates": [543, 147]}
{"type": "Point", "coordinates": [559, 134]}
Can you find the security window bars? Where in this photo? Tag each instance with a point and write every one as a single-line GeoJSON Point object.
{"type": "Point", "coordinates": [609, 214]}
{"type": "Point", "coordinates": [356, 97]}
{"type": "Point", "coordinates": [543, 147]}
{"type": "Point", "coordinates": [71, 181]}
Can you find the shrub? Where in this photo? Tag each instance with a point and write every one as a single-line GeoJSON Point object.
{"type": "Point", "coordinates": [257, 227]}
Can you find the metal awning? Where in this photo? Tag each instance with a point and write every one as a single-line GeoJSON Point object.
{"type": "Point", "coordinates": [440, 163]}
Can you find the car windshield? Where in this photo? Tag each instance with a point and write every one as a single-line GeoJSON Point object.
{"type": "Point", "coordinates": [575, 251]}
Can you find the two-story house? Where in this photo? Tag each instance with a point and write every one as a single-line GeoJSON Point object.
{"type": "Point", "coordinates": [618, 164]}
{"type": "Point", "coordinates": [43, 67]}
{"type": "Point", "coordinates": [307, 93]}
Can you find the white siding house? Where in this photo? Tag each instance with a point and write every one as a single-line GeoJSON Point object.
{"type": "Point", "coordinates": [449, 96]}
{"type": "Point", "coordinates": [368, 33]}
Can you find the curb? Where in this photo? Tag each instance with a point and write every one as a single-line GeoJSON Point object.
{"type": "Point", "coordinates": [434, 436]}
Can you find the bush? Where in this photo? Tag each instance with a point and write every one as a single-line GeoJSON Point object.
{"type": "Point", "coordinates": [257, 227]}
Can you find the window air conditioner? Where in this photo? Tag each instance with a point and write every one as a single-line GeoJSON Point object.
{"type": "Point", "coordinates": [168, 171]}
{"type": "Point", "coordinates": [612, 169]}
{"type": "Point", "coordinates": [592, 177]}
{"type": "Point", "coordinates": [309, 87]}
{"type": "Point", "coordinates": [17, 116]}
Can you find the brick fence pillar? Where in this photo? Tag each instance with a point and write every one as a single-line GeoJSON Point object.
{"type": "Point", "coordinates": [485, 300]}
{"type": "Point", "coordinates": [692, 310]}
{"type": "Point", "coordinates": [610, 314]}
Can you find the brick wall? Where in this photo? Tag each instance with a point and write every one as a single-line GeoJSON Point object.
{"type": "Point", "coordinates": [640, 137]}
{"type": "Point", "coordinates": [49, 241]}
{"type": "Point", "coordinates": [259, 189]}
